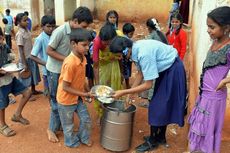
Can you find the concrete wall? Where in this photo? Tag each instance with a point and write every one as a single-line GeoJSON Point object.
{"type": "Point", "coordinates": [88, 3]}
{"type": "Point", "coordinates": [199, 40]}
{"type": "Point", "coordinates": [130, 12]}
{"type": "Point", "coordinates": [69, 7]}
{"type": "Point", "coordinates": [48, 7]}
{"type": "Point", "coordinates": [59, 11]}
{"type": "Point", "coordinates": [35, 13]}
{"type": "Point", "coordinates": [135, 10]}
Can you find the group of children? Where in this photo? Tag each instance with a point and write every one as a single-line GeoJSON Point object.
{"type": "Point", "coordinates": [62, 54]}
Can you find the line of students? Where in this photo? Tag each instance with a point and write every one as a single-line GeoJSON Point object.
{"type": "Point", "coordinates": [66, 72]}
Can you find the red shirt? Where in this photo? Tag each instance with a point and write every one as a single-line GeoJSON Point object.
{"type": "Point", "coordinates": [97, 45]}
{"type": "Point", "coordinates": [179, 42]}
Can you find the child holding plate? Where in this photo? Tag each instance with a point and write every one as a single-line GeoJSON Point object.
{"type": "Point", "coordinates": [10, 84]}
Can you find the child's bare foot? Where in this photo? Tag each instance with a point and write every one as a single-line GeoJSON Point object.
{"type": "Point", "coordinates": [99, 121]}
{"type": "Point", "coordinates": [52, 136]}
{"type": "Point", "coordinates": [89, 144]}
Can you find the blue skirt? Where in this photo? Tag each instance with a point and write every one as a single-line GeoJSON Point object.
{"type": "Point", "coordinates": [169, 97]}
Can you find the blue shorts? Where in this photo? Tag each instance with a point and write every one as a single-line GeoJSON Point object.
{"type": "Point", "coordinates": [15, 87]}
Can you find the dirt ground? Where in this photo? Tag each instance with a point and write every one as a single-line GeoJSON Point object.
{"type": "Point", "coordinates": [33, 138]}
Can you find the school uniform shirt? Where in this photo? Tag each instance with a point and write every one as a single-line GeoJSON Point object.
{"type": "Point", "coordinates": [23, 38]}
{"type": "Point", "coordinates": [178, 41]}
{"type": "Point", "coordinates": [73, 72]}
{"type": "Point", "coordinates": [10, 20]}
{"type": "Point", "coordinates": [152, 57]}
{"type": "Point", "coordinates": [60, 42]}
{"type": "Point", "coordinates": [40, 47]}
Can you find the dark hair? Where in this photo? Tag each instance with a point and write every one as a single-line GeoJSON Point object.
{"type": "Point", "coordinates": [1, 32]}
{"type": "Point", "coordinates": [178, 17]}
{"type": "Point", "coordinates": [149, 23]}
{"type": "Point", "coordinates": [127, 28]}
{"type": "Point", "coordinates": [119, 43]}
{"type": "Point", "coordinates": [79, 35]}
{"type": "Point", "coordinates": [93, 34]}
{"type": "Point", "coordinates": [107, 32]}
{"type": "Point", "coordinates": [82, 14]}
{"type": "Point", "coordinates": [112, 12]}
{"type": "Point", "coordinates": [26, 13]}
{"type": "Point", "coordinates": [176, 1]}
{"type": "Point", "coordinates": [48, 19]}
{"type": "Point", "coordinates": [5, 21]}
{"type": "Point", "coordinates": [18, 18]}
{"type": "Point", "coordinates": [220, 15]}
{"type": "Point", "coordinates": [7, 11]}
{"type": "Point", "coordinates": [162, 37]}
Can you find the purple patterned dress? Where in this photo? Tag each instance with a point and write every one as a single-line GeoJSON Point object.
{"type": "Point", "coordinates": [207, 117]}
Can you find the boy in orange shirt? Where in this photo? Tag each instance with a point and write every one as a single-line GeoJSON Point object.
{"type": "Point", "coordinates": [71, 90]}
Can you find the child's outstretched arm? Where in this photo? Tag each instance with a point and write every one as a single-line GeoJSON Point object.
{"type": "Point", "coordinates": [223, 83]}
{"type": "Point", "coordinates": [38, 60]}
{"type": "Point", "coordinates": [22, 55]}
{"type": "Point", "coordinates": [67, 87]}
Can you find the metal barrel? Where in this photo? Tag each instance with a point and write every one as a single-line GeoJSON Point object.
{"type": "Point", "coordinates": [117, 126]}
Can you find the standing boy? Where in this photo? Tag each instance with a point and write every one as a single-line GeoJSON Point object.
{"type": "Point", "coordinates": [10, 84]}
{"type": "Point", "coordinates": [38, 53]}
{"type": "Point", "coordinates": [72, 90]}
{"type": "Point", "coordinates": [7, 31]}
{"type": "Point", "coordinates": [58, 49]}
{"type": "Point", "coordinates": [9, 26]}
{"type": "Point", "coordinates": [128, 30]}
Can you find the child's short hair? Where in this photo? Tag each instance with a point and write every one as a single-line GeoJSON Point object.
{"type": "Point", "coordinates": [18, 18]}
{"type": "Point", "coordinates": [79, 35]}
{"type": "Point", "coordinates": [127, 28]}
{"type": "Point", "coordinates": [107, 32]}
{"type": "Point", "coordinates": [26, 13]}
{"type": "Point", "coordinates": [93, 34]}
{"type": "Point", "coordinates": [119, 44]}
{"type": "Point", "coordinates": [7, 11]}
{"type": "Point", "coordinates": [220, 15]}
{"type": "Point", "coordinates": [83, 14]}
{"type": "Point", "coordinates": [5, 21]}
{"type": "Point", "coordinates": [48, 19]}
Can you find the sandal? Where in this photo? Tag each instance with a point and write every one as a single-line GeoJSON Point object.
{"type": "Point", "coordinates": [6, 131]}
{"type": "Point", "coordinates": [160, 142]}
{"type": "Point", "coordinates": [37, 92]}
{"type": "Point", "coordinates": [146, 146]}
{"type": "Point", "coordinates": [20, 119]}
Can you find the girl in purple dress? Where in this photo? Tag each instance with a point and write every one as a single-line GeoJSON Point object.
{"type": "Point", "coordinates": [207, 117]}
